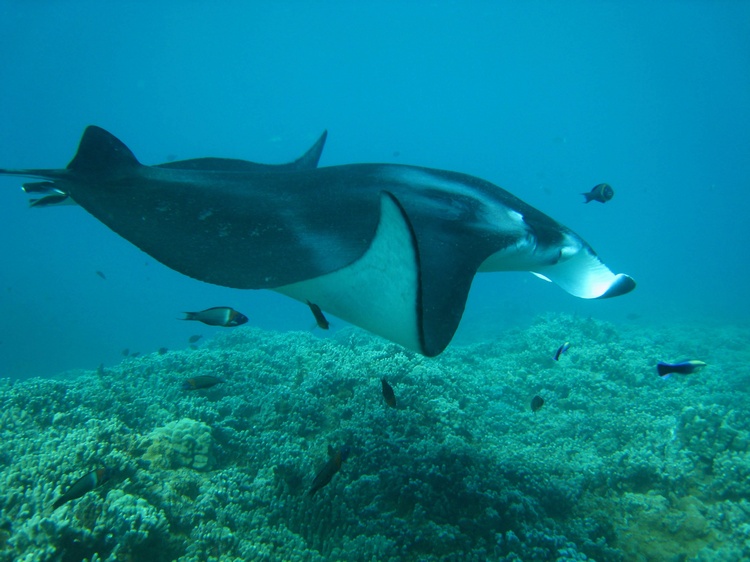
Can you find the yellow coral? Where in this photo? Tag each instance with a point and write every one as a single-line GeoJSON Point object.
{"type": "Point", "coordinates": [182, 443]}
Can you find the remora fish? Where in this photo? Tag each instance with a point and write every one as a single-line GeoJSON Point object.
{"type": "Point", "coordinates": [390, 248]}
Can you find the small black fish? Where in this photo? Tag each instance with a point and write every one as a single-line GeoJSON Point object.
{"type": "Point", "coordinates": [536, 403]}
{"type": "Point", "coordinates": [681, 368]}
{"type": "Point", "coordinates": [82, 486]}
{"type": "Point", "coordinates": [602, 193]}
{"type": "Point", "coordinates": [201, 381]}
{"type": "Point", "coordinates": [218, 316]}
{"type": "Point", "coordinates": [100, 274]}
{"type": "Point", "coordinates": [100, 370]}
{"type": "Point", "coordinates": [125, 352]}
{"type": "Point", "coordinates": [162, 350]}
{"type": "Point", "coordinates": [320, 319]}
{"type": "Point", "coordinates": [330, 469]}
{"type": "Point", "coordinates": [388, 394]}
{"type": "Point", "coordinates": [560, 350]}
{"type": "Point", "coordinates": [195, 338]}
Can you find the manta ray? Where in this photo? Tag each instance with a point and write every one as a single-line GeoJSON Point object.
{"type": "Point", "coordinates": [390, 248]}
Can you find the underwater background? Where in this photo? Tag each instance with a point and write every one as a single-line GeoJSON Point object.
{"type": "Point", "coordinates": [544, 99]}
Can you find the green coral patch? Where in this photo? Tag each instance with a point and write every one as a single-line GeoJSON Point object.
{"type": "Point", "coordinates": [618, 465]}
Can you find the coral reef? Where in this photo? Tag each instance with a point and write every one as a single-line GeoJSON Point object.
{"type": "Point", "coordinates": [180, 443]}
{"type": "Point", "coordinates": [618, 465]}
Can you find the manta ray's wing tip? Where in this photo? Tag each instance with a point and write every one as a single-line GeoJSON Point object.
{"type": "Point", "coordinates": [583, 275]}
{"type": "Point", "coordinates": [621, 285]}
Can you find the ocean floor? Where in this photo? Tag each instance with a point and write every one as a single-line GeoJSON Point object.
{"type": "Point", "coordinates": [618, 464]}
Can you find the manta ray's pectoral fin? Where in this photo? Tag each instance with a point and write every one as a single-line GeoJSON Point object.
{"type": "Point", "coordinates": [584, 275]}
{"type": "Point", "coordinates": [380, 291]}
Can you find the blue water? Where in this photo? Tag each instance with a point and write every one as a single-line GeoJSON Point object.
{"type": "Point", "coordinates": [544, 99]}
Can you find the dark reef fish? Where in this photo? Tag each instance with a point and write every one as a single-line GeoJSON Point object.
{"type": "Point", "coordinates": [218, 316]}
{"type": "Point", "coordinates": [82, 486]}
{"type": "Point", "coordinates": [337, 458]}
{"type": "Point", "coordinates": [125, 352]}
{"type": "Point", "coordinates": [320, 318]}
{"type": "Point", "coordinates": [536, 403]}
{"type": "Point", "coordinates": [681, 368]}
{"type": "Point", "coordinates": [201, 381]}
{"type": "Point", "coordinates": [195, 338]}
{"type": "Point", "coordinates": [602, 193]}
{"type": "Point", "coordinates": [388, 394]}
{"type": "Point", "coordinates": [560, 350]}
{"type": "Point", "coordinates": [390, 248]}
{"type": "Point", "coordinates": [101, 274]}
